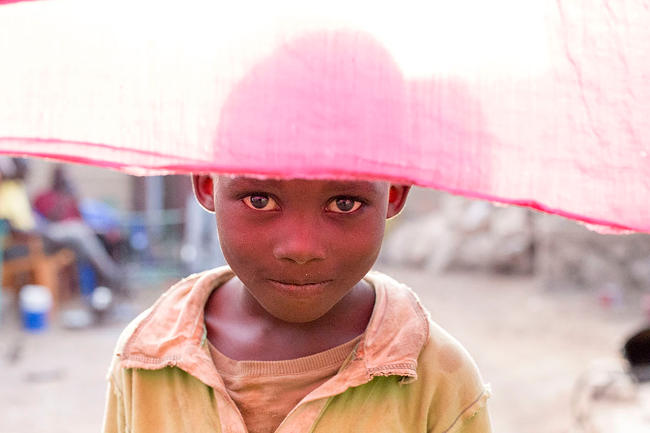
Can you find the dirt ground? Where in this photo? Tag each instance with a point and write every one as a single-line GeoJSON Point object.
{"type": "Point", "coordinates": [531, 345]}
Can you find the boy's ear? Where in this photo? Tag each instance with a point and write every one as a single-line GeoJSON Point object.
{"type": "Point", "coordinates": [203, 185]}
{"type": "Point", "coordinates": [396, 199]}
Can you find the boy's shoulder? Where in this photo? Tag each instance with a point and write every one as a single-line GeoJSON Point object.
{"type": "Point", "coordinates": [405, 307]}
{"type": "Point", "coordinates": [446, 372]}
{"type": "Point", "coordinates": [159, 335]}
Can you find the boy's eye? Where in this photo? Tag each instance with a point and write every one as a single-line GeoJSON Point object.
{"type": "Point", "coordinates": [260, 202]}
{"type": "Point", "coordinates": [343, 205]}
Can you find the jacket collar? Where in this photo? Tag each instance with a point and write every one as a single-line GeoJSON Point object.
{"type": "Point", "coordinates": [172, 333]}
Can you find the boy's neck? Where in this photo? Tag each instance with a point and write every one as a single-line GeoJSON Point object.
{"type": "Point", "coordinates": [241, 329]}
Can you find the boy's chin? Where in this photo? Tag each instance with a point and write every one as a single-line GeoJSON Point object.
{"type": "Point", "coordinates": [297, 315]}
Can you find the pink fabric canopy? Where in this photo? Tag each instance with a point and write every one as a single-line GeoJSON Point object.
{"type": "Point", "coordinates": [543, 104]}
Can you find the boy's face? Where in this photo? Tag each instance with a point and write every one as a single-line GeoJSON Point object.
{"type": "Point", "coordinates": [299, 246]}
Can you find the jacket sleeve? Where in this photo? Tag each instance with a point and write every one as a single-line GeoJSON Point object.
{"type": "Point", "coordinates": [114, 421]}
{"type": "Point", "coordinates": [115, 412]}
{"type": "Point", "coordinates": [478, 423]}
{"type": "Point", "coordinates": [474, 419]}
{"type": "Point", "coordinates": [459, 395]}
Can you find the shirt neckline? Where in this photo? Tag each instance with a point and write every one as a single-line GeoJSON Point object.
{"type": "Point", "coordinates": [322, 360]}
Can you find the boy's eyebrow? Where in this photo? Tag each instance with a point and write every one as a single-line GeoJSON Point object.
{"type": "Point", "coordinates": [333, 186]}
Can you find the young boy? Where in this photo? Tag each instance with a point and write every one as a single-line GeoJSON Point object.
{"type": "Point", "coordinates": [296, 335]}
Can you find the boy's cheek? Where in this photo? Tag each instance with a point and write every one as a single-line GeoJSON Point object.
{"type": "Point", "coordinates": [235, 245]}
{"type": "Point", "coordinates": [359, 248]}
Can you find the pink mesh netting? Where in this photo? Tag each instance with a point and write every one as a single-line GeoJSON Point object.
{"type": "Point", "coordinates": [544, 104]}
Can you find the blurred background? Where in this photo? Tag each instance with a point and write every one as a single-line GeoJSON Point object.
{"type": "Point", "coordinates": [544, 305]}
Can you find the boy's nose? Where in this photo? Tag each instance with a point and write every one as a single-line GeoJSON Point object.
{"type": "Point", "coordinates": [300, 243]}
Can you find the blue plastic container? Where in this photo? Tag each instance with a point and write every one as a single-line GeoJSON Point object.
{"type": "Point", "coordinates": [35, 306]}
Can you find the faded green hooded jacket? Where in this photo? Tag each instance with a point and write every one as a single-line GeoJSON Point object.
{"type": "Point", "coordinates": [406, 374]}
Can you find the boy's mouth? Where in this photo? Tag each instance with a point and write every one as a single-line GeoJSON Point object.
{"type": "Point", "coordinates": [299, 284]}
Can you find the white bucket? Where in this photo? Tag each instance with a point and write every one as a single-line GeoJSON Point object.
{"type": "Point", "coordinates": [35, 306]}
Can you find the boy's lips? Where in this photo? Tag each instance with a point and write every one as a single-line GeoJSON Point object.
{"type": "Point", "coordinates": [299, 285]}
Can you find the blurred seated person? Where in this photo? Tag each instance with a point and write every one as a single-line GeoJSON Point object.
{"type": "Point", "coordinates": [59, 207]}
{"type": "Point", "coordinates": [17, 222]}
{"type": "Point", "coordinates": [25, 256]}
{"type": "Point", "coordinates": [14, 202]}
{"type": "Point", "coordinates": [16, 219]}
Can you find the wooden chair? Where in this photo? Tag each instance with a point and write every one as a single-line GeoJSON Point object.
{"type": "Point", "coordinates": [31, 265]}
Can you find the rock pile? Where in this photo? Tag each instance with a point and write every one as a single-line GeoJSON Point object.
{"type": "Point", "coordinates": [569, 254]}
{"type": "Point", "coordinates": [442, 232]}
{"type": "Point", "coordinates": [457, 233]}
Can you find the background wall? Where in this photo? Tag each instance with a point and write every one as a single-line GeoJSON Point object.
{"type": "Point", "coordinates": [90, 182]}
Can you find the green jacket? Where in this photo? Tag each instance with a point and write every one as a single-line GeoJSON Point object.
{"type": "Point", "coordinates": [406, 374]}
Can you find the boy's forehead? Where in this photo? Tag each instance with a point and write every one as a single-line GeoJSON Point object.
{"type": "Point", "coordinates": [236, 182]}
